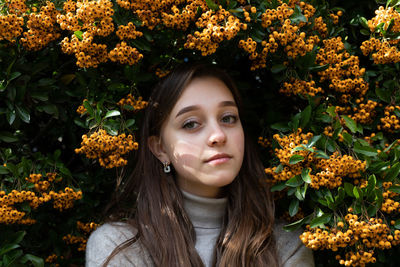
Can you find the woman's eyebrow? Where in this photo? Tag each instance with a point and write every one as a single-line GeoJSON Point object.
{"type": "Point", "coordinates": [196, 107]}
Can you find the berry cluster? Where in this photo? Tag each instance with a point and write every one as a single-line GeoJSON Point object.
{"type": "Point", "coordinates": [40, 184]}
{"type": "Point", "coordinates": [10, 27]}
{"type": "Point", "coordinates": [106, 148]}
{"type": "Point", "coordinates": [217, 26]}
{"type": "Point", "coordinates": [335, 17]}
{"type": "Point", "coordinates": [320, 26]}
{"type": "Point", "coordinates": [51, 258]}
{"type": "Point", "coordinates": [367, 235]}
{"type": "Point", "coordinates": [130, 103]}
{"type": "Point", "coordinates": [86, 229]}
{"type": "Point", "coordinates": [161, 73]}
{"type": "Point", "coordinates": [65, 199]}
{"type": "Point", "coordinates": [385, 16]}
{"type": "Point", "coordinates": [128, 32]}
{"type": "Point", "coordinates": [81, 109]}
{"type": "Point", "coordinates": [41, 28]}
{"type": "Point", "coordinates": [344, 72]}
{"type": "Point", "coordinates": [365, 113]}
{"type": "Point", "coordinates": [287, 144]}
{"type": "Point", "coordinates": [9, 213]}
{"type": "Point", "coordinates": [384, 52]}
{"type": "Point", "coordinates": [87, 53]}
{"type": "Point", "coordinates": [325, 172]}
{"type": "Point", "coordinates": [297, 86]}
{"type": "Point", "coordinates": [17, 7]}
{"type": "Point", "coordinates": [333, 169]}
{"type": "Point", "coordinates": [180, 19]}
{"type": "Point", "coordinates": [93, 16]}
{"type": "Point", "coordinates": [390, 122]}
{"type": "Point", "coordinates": [125, 54]}
{"type": "Point", "coordinates": [264, 142]}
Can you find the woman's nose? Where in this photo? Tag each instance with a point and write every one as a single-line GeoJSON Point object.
{"type": "Point", "coordinates": [217, 136]}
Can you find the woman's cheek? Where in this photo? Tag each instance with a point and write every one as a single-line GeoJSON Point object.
{"type": "Point", "coordinates": [184, 154]}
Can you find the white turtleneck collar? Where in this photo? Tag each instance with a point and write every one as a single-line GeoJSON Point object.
{"type": "Point", "coordinates": [204, 212]}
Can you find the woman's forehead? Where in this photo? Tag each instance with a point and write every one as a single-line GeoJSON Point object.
{"type": "Point", "coordinates": [205, 91]}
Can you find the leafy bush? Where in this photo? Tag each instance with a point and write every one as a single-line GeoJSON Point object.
{"type": "Point", "coordinates": [320, 88]}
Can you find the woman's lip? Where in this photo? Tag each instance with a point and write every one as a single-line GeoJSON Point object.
{"type": "Point", "coordinates": [218, 156]}
{"type": "Point", "coordinates": [219, 160]}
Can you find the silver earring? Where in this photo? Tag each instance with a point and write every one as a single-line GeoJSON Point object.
{"type": "Point", "coordinates": [167, 168]}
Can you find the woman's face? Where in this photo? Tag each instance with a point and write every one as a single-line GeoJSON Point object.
{"type": "Point", "coordinates": [203, 138]}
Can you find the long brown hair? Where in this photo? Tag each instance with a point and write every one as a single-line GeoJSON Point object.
{"type": "Point", "coordinates": [246, 237]}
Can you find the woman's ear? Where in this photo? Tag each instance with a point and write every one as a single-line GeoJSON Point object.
{"type": "Point", "coordinates": [156, 147]}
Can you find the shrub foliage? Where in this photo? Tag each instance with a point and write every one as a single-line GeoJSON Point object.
{"type": "Point", "coordinates": [321, 91]}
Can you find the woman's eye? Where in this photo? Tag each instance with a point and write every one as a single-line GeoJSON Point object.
{"type": "Point", "coordinates": [189, 125]}
{"type": "Point", "coordinates": [229, 119]}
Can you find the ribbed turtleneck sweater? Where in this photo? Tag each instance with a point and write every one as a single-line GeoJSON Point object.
{"type": "Point", "coordinates": [206, 215]}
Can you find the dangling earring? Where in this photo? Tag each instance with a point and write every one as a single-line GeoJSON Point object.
{"type": "Point", "coordinates": [167, 168]}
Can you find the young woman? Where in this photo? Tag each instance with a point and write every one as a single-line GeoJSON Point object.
{"type": "Point", "coordinates": [197, 196]}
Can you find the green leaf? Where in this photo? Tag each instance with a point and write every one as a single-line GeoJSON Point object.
{"type": "Point", "coordinates": [321, 154]}
{"type": "Point", "coordinates": [8, 137]}
{"type": "Point", "coordinates": [279, 168]}
{"type": "Point", "coordinates": [14, 75]}
{"type": "Point", "coordinates": [357, 192]}
{"type": "Point", "coordinates": [110, 130]}
{"type": "Point", "coordinates": [319, 221]}
{"type": "Point", "coordinates": [36, 261]}
{"type": "Point", "coordinates": [364, 32]}
{"type": "Point", "coordinates": [319, 67]}
{"type": "Point", "coordinates": [306, 176]}
{"type": "Point", "coordinates": [313, 140]}
{"type": "Point", "coordinates": [340, 196]}
{"type": "Point", "coordinates": [301, 192]}
{"type": "Point", "coordinates": [18, 237]}
{"type": "Point", "coordinates": [51, 109]}
{"type": "Point", "coordinates": [331, 111]}
{"type": "Point", "coordinates": [365, 150]}
{"type": "Point", "coordinates": [294, 123]}
{"type": "Point", "coordinates": [383, 94]}
{"type": "Point", "coordinates": [295, 159]}
{"type": "Point", "coordinates": [278, 68]}
{"type": "Point", "coordinates": [305, 116]}
{"type": "Point", "coordinates": [129, 123]}
{"type": "Point", "coordinates": [3, 170]}
{"type": "Point", "coordinates": [112, 113]}
{"type": "Point", "coordinates": [393, 172]}
{"type": "Point", "coordinates": [295, 181]}
{"type": "Point", "coordinates": [88, 107]}
{"type": "Point", "coordinates": [23, 114]}
{"type": "Point", "coordinates": [349, 189]}
{"type": "Point", "coordinates": [371, 183]}
{"type": "Point", "coordinates": [8, 247]}
{"type": "Point", "coordinates": [294, 226]}
{"type": "Point", "coordinates": [42, 96]}
{"type": "Point", "coordinates": [363, 21]}
{"type": "Point", "coordinates": [350, 123]}
{"type": "Point", "coordinates": [395, 189]}
{"type": "Point", "coordinates": [347, 138]}
{"type": "Point", "coordinates": [278, 187]}
{"type": "Point", "coordinates": [397, 224]}
{"type": "Point", "coordinates": [10, 115]}
{"type": "Point", "coordinates": [293, 207]}
{"type": "Point", "coordinates": [78, 34]}
{"type": "Point", "coordinates": [298, 148]}
{"type": "Point", "coordinates": [280, 126]}
{"type": "Point", "coordinates": [371, 210]}
{"type": "Point", "coordinates": [297, 16]}
{"type": "Point", "coordinates": [212, 5]}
